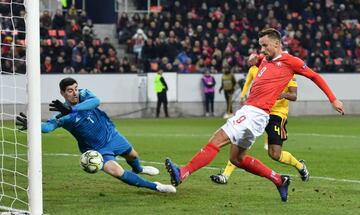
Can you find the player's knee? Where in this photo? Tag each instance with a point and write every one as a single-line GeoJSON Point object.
{"type": "Point", "coordinates": [132, 155]}
{"type": "Point", "coordinates": [235, 161]}
{"type": "Point", "coordinates": [113, 169]}
{"type": "Point", "coordinates": [219, 139]}
{"type": "Point", "coordinates": [274, 154]}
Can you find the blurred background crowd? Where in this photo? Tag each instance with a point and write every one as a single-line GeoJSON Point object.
{"type": "Point", "coordinates": [188, 37]}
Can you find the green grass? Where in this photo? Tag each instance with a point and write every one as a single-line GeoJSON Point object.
{"type": "Point", "coordinates": [330, 145]}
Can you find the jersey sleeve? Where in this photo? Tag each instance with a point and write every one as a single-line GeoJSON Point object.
{"type": "Point", "coordinates": [88, 101]}
{"type": "Point", "coordinates": [249, 78]}
{"type": "Point", "coordinates": [299, 67]}
{"type": "Point", "coordinates": [50, 125]}
{"type": "Point", "coordinates": [53, 123]}
{"type": "Point", "coordinates": [164, 83]}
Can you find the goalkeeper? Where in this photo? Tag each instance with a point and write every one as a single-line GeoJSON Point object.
{"type": "Point", "coordinates": [93, 130]}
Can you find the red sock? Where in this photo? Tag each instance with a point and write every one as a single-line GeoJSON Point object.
{"type": "Point", "coordinates": [201, 159]}
{"type": "Point", "coordinates": [254, 166]}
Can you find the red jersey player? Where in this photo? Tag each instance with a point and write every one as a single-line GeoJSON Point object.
{"type": "Point", "coordinates": [249, 122]}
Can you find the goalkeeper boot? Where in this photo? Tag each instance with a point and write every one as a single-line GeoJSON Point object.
{"type": "Point", "coordinates": [219, 178]}
{"type": "Point", "coordinates": [304, 172]}
{"type": "Point", "coordinates": [150, 170]}
{"type": "Point", "coordinates": [284, 187]}
{"type": "Point", "coordinates": [174, 172]}
{"type": "Point", "coordinates": [165, 188]}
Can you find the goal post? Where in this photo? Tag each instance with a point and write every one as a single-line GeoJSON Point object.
{"type": "Point", "coordinates": [20, 151]}
{"type": "Point", "coordinates": [32, 23]}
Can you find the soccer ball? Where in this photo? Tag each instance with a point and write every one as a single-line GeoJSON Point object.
{"type": "Point", "coordinates": [91, 161]}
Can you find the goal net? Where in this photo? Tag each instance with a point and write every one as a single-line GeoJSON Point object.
{"type": "Point", "coordinates": [17, 93]}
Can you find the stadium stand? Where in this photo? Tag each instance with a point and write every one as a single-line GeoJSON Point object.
{"type": "Point", "coordinates": [191, 36]}
{"type": "Point", "coordinates": [194, 34]}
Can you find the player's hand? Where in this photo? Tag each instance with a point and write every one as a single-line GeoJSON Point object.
{"type": "Point", "coordinates": [220, 91]}
{"type": "Point", "coordinates": [282, 96]}
{"type": "Point", "coordinates": [22, 121]}
{"type": "Point", "coordinates": [338, 106]}
{"type": "Point", "coordinates": [253, 59]}
{"type": "Point", "coordinates": [60, 107]}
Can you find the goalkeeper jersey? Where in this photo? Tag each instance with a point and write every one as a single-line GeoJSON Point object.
{"type": "Point", "coordinates": [90, 126]}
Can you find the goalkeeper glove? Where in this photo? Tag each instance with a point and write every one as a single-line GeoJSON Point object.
{"type": "Point", "coordinates": [60, 107]}
{"type": "Point", "coordinates": [22, 121]}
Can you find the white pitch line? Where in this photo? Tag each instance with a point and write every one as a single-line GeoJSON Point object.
{"type": "Point", "coordinates": [209, 135]}
{"type": "Point", "coordinates": [325, 135]}
{"type": "Point", "coordinates": [212, 168]}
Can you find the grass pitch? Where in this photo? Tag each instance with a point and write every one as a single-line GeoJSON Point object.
{"type": "Point", "coordinates": [330, 146]}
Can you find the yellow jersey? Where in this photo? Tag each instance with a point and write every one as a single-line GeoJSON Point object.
{"type": "Point", "coordinates": [281, 107]}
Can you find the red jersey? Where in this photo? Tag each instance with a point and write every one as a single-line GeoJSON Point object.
{"type": "Point", "coordinates": [273, 77]}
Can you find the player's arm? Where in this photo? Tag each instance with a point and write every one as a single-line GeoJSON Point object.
{"type": "Point", "coordinates": [299, 67]}
{"type": "Point", "coordinates": [221, 87]}
{"type": "Point", "coordinates": [291, 95]}
{"type": "Point", "coordinates": [49, 126]}
{"type": "Point", "coordinates": [206, 84]}
{"type": "Point", "coordinates": [46, 127]}
{"type": "Point", "coordinates": [164, 83]}
{"type": "Point", "coordinates": [88, 101]}
{"type": "Point", "coordinates": [233, 81]}
{"type": "Point", "coordinates": [53, 123]}
{"type": "Point", "coordinates": [249, 79]}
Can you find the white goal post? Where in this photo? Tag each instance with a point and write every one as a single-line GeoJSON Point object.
{"type": "Point", "coordinates": [20, 152]}
{"type": "Point", "coordinates": [34, 106]}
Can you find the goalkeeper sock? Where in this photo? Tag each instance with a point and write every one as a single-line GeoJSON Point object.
{"type": "Point", "coordinates": [135, 165]}
{"type": "Point", "coordinates": [229, 169]}
{"type": "Point", "coordinates": [254, 166]}
{"type": "Point", "coordinates": [131, 178]}
{"type": "Point", "coordinates": [201, 159]}
{"type": "Point", "coordinates": [289, 159]}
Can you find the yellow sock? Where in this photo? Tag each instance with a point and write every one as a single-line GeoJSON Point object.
{"type": "Point", "coordinates": [289, 159]}
{"type": "Point", "coordinates": [229, 169]}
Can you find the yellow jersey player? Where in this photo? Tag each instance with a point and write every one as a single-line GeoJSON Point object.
{"type": "Point", "coordinates": [276, 128]}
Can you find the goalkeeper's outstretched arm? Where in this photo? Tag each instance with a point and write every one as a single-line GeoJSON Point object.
{"type": "Point", "coordinates": [46, 127]}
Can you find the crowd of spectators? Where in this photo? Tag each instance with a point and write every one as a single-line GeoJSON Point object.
{"type": "Point", "coordinates": [67, 45]}
{"type": "Point", "coordinates": [193, 36]}
{"type": "Point", "coordinates": [187, 36]}
{"type": "Point", "coordinates": [12, 38]}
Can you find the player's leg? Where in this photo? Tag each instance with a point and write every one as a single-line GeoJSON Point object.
{"type": "Point", "coordinates": [114, 169]}
{"type": "Point", "coordinates": [226, 115]}
{"type": "Point", "coordinates": [207, 104]}
{"type": "Point", "coordinates": [239, 158]}
{"type": "Point", "coordinates": [250, 164]}
{"type": "Point", "coordinates": [165, 101]}
{"type": "Point", "coordinates": [276, 131]}
{"type": "Point", "coordinates": [230, 110]}
{"type": "Point", "coordinates": [211, 97]}
{"type": "Point", "coordinates": [222, 178]}
{"type": "Point", "coordinates": [158, 105]}
{"type": "Point", "coordinates": [119, 145]}
{"type": "Point", "coordinates": [201, 159]}
{"type": "Point", "coordinates": [243, 129]}
{"type": "Point", "coordinates": [132, 158]}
